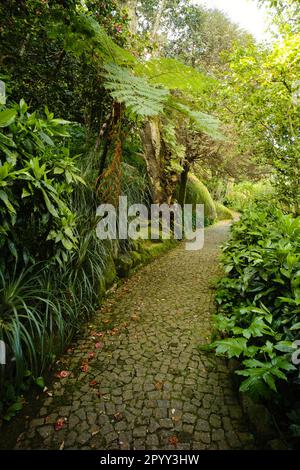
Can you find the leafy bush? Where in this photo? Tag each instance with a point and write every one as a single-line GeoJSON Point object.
{"type": "Point", "coordinates": [37, 177]}
{"type": "Point", "coordinates": [246, 194]}
{"type": "Point", "coordinates": [259, 299]}
{"type": "Point", "coordinates": [43, 292]}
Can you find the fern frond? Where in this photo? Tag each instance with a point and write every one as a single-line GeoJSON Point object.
{"type": "Point", "coordinates": [174, 75]}
{"type": "Point", "coordinates": [136, 93]}
{"type": "Point", "coordinates": [205, 123]}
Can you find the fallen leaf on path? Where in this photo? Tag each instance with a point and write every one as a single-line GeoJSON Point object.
{"type": "Point", "coordinates": [62, 374]}
{"type": "Point", "coordinates": [20, 437]}
{"type": "Point", "coordinates": [176, 419]}
{"type": "Point", "coordinates": [114, 331]}
{"type": "Point", "coordinates": [93, 383]}
{"type": "Point", "coordinates": [135, 317]}
{"type": "Point", "coordinates": [118, 416]}
{"type": "Point", "coordinates": [59, 424]}
{"type": "Point", "coordinates": [98, 345]}
{"type": "Point", "coordinates": [94, 333]}
{"type": "Point", "coordinates": [173, 441]}
{"type": "Point", "coordinates": [84, 367]}
{"type": "Point", "coordinates": [105, 321]}
{"type": "Point", "coordinates": [158, 385]}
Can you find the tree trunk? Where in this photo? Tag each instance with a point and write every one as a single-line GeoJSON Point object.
{"type": "Point", "coordinates": [150, 133]}
{"type": "Point", "coordinates": [152, 147]}
{"type": "Point", "coordinates": [158, 17]}
{"type": "Point", "coordinates": [130, 5]}
{"type": "Point", "coordinates": [183, 184]}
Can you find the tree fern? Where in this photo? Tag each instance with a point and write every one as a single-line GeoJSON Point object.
{"type": "Point", "coordinates": [174, 75]}
{"type": "Point", "coordinates": [136, 93]}
{"type": "Point", "coordinates": [205, 123]}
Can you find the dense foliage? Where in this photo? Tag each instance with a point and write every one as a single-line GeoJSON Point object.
{"type": "Point", "coordinates": [160, 101]}
{"type": "Point", "coordinates": [259, 302]}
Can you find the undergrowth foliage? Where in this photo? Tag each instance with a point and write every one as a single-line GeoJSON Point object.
{"type": "Point", "coordinates": [51, 260]}
{"type": "Point", "coordinates": [258, 320]}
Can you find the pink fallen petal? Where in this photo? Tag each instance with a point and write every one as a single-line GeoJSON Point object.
{"type": "Point", "coordinates": [63, 374]}
{"type": "Point", "coordinates": [59, 424]}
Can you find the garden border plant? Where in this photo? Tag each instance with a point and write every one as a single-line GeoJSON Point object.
{"type": "Point", "coordinates": [258, 300]}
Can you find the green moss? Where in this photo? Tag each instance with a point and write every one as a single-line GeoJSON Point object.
{"type": "Point", "coordinates": [197, 193]}
{"type": "Point", "coordinates": [102, 287]}
{"type": "Point", "coordinates": [223, 212]}
{"type": "Point", "coordinates": [110, 273]}
{"type": "Point", "coordinates": [136, 258]}
{"type": "Point", "coordinates": [124, 263]}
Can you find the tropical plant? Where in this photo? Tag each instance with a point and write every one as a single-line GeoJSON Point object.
{"type": "Point", "coordinates": [37, 176]}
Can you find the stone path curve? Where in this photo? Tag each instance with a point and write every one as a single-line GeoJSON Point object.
{"type": "Point", "coordinates": [144, 384]}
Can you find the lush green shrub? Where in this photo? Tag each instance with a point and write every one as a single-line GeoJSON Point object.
{"type": "Point", "coordinates": [223, 213]}
{"type": "Point", "coordinates": [259, 299]}
{"type": "Point", "coordinates": [50, 260]}
{"type": "Point", "coordinates": [246, 194]}
{"type": "Point", "coordinates": [37, 177]}
{"type": "Point", "coordinates": [197, 193]}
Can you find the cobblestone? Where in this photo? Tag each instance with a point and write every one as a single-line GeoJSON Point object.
{"type": "Point", "coordinates": [148, 386]}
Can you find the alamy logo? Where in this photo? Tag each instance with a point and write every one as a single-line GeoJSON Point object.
{"type": "Point", "coordinates": [2, 353]}
{"type": "Point", "coordinates": [165, 222]}
{"type": "Point", "coordinates": [296, 354]}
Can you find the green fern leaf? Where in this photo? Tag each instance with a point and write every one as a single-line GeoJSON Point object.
{"type": "Point", "coordinates": [205, 123]}
{"type": "Point", "coordinates": [136, 93]}
{"type": "Point", "coordinates": [174, 75]}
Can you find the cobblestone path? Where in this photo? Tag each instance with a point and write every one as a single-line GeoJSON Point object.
{"type": "Point", "coordinates": [144, 384]}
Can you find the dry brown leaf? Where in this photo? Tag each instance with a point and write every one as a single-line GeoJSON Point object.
{"type": "Point", "coordinates": [159, 385]}
{"type": "Point", "coordinates": [173, 441]}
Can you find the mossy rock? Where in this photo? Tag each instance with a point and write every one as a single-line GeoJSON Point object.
{"type": "Point", "coordinates": [146, 234]}
{"type": "Point", "coordinates": [197, 193]}
{"type": "Point", "coordinates": [102, 287]}
{"type": "Point", "coordinates": [136, 258]}
{"type": "Point", "coordinates": [155, 249]}
{"type": "Point", "coordinates": [110, 272]}
{"type": "Point", "coordinates": [223, 212]}
{"type": "Point", "coordinates": [123, 265]}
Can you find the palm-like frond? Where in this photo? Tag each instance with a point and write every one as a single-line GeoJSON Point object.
{"type": "Point", "coordinates": [205, 123]}
{"type": "Point", "coordinates": [136, 93]}
{"type": "Point", "coordinates": [174, 75]}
